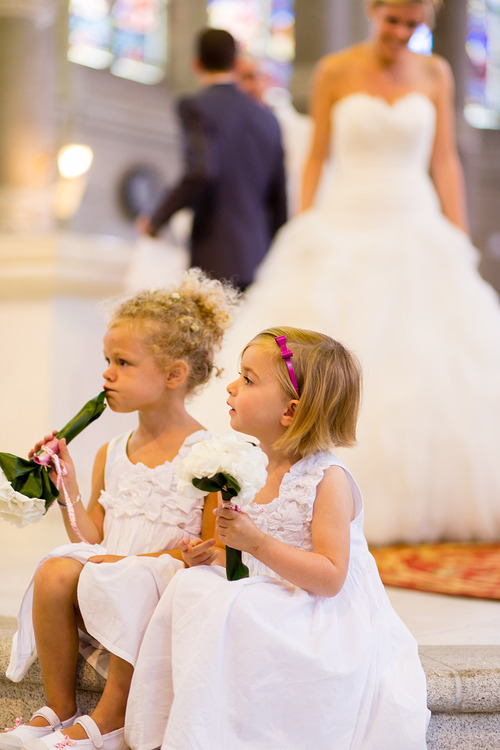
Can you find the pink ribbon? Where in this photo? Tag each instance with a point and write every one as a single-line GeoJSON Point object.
{"type": "Point", "coordinates": [44, 455]}
{"type": "Point", "coordinates": [16, 724]}
{"type": "Point", "coordinates": [231, 506]}
{"type": "Point", "coordinates": [61, 471]}
{"type": "Point", "coordinates": [286, 356]}
{"type": "Point", "coordinates": [65, 741]}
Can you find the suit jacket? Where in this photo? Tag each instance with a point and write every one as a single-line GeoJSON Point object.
{"type": "Point", "coordinates": [233, 180]}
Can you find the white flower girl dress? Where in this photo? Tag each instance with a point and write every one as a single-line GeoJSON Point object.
{"type": "Point", "coordinates": [259, 663]}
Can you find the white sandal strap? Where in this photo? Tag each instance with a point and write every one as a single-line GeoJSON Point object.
{"type": "Point", "coordinates": [50, 716]}
{"type": "Point", "coordinates": [93, 731]}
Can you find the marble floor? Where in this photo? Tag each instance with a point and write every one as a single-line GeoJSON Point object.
{"type": "Point", "coordinates": [433, 619]}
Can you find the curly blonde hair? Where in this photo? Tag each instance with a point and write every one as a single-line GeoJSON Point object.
{"type": "Point", "coordinates": [184, 321]}
{"type": "Point", "coordinates": [329, 380]}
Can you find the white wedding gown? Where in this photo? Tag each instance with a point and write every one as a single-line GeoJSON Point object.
{"type": "Point", "coordinates": [377, 266]}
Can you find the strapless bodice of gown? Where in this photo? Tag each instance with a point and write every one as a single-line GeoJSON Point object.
{"type": "Point", "coordinates": [381, 159]}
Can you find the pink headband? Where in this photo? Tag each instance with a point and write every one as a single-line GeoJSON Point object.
{"type": "Point", "coordinates": [287, 355]}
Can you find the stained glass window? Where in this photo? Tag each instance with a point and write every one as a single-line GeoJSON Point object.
{"type": "Point", "coordinates": [126, 36]}
{"type": "Point", "coordinates": [263, 28]}
{"type": "Point", "coordinates": [421, 40]}
{"type": "Point", "coordinates": [482, 76]}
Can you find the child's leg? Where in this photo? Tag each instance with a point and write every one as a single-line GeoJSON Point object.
{"type": "Point", "coordinates": [109, 714]}
{"type": "Point", "coordinates": [56, 620]}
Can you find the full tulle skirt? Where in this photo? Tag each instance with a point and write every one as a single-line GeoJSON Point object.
{"type": "Point", "coordinates": [405, 295]}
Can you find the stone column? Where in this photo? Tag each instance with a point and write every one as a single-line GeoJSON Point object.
{"type": "Point", "coordinates": [27, 103]}
{"type": "Point", "coordinates": [479, 148]}
{"type": "Point", "coordinates": [51, 282]}
{"type": "Point", "coordinates": [186, 19]}
{"type": "Point", "coordinates": [321, 26]}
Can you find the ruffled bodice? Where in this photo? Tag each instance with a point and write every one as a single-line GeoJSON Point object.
{"type": "Point", "coordinates": [143, 512]}
{"type": "Point", "coordinates": [371, 134]}
{"type": "Point", "coordinates": [382, 156]}
{"type": "Point", "coordinates": [288, 517]}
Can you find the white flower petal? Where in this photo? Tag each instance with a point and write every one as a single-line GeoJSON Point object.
{"type": "Point", "coordinates": [17, 508]}
{"type": "Point", "coordinates": [229, 454]}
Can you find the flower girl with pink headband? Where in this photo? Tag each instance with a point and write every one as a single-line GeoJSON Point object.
{"type": "Point", "coordinates": [159, 349]}
{"type": "Point", "coordinates": [306, 651]}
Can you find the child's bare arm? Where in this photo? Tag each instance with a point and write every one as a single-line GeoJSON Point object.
{"type": "Point", "coordinates": [90, 520]}
{"type": "Point", "coordinates": [208, 550]}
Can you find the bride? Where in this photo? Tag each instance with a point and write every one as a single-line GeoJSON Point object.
{"type": "Point", "coordinates": [384, 263]}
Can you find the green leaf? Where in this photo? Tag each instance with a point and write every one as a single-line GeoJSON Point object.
{"type": "Point", "coordinates": [220, 482]}
{"type": "Point", "coordinates": [28, 478]}
{"type": "Point", "coordinates": [87, 414]}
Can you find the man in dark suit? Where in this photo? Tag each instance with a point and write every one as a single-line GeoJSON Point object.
{"type": "Point", "coordinates": [233, 175]}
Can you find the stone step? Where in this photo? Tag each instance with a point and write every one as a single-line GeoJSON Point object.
{"type": "Point", "coordinates": [463, 688]}
{"type": "Point", "coordinates": [23, 698]}
{"type": "Point", "coordinates": [463, 693]}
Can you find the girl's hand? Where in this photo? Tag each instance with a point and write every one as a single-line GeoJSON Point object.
{"type": "Point", "coordinates": [65, 461]}
{"type": "Point", "coordinates": [38, 446]}
{"type": "Point", "coordinates": [105, 558]}
{"type": "Point", "coordinates": [68, 469]}
{"type": "Point", "coordinates": [237, 530]}
{"type": "Point", "coordinates": [198, 552]}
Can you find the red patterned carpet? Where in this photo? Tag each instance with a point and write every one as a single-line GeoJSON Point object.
{"type": "Point", "coordinates": [447, 568]}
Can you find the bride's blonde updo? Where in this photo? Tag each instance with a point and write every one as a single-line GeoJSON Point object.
{"type": "Point", "coordinates": [431, 6]}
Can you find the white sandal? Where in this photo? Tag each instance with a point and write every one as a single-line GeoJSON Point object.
{"type": "Point", "coordinates": [14, 738]}
{"type": "Point", "coordinates": [95, 740]}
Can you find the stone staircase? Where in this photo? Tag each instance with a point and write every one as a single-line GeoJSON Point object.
{"type": "Point", "coordinates": [463, 684]}
{"type": "Point", "coordinates": [463, 689]}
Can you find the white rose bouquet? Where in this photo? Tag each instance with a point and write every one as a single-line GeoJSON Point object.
{"type": "Point", "coordinates": [228, 464]}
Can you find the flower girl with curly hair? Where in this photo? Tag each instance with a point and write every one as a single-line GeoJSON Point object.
{"type": "Point", "coordinates": [159, 349]}
{"type": "Point", "coordinates": [305, 652]}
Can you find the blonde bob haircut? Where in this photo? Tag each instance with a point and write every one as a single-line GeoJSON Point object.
{"type": "Point", "coordinates": [329, 380]}
{"type": "Point", "coordinates": [431, 6]}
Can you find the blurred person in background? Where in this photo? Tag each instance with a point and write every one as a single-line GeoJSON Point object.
{"type": "Point", "coordinates": [233, 177]}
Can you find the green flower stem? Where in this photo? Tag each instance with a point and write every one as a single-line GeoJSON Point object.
{"type": "Point", "coordinates": [87, 414]}
{"type": "Point", "coordinates": [235, 568]}
{"type": "Point", "coordinates": [229, 488]}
